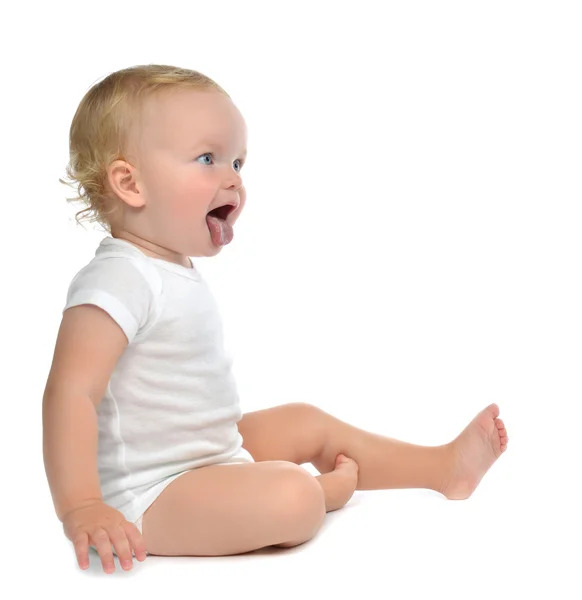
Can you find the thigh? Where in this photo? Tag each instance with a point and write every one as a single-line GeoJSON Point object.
{"type": "Point", "coordinates": [294, 432]}
{"type": "Point", "coordinates": [234, 508]}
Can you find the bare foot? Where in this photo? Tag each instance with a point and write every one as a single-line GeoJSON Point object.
{"type": "Point", "coordinates": [339, 485]}
{"type": "Point", "coordinates": [474, 450]}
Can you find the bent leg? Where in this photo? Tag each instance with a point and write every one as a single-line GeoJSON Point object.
{"type": "Point", "coordinates": [221, 510]}
{"type": "Point", "coordinates": [299, 432]}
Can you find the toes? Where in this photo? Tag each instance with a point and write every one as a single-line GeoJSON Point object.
{"type": "Point", "coordinates": [342, 459]}
{"type": "Point", "coordinates": [500, 423]}
{"type": "Point", "coordinates": [346, 464]}
{"type": "Point", "coordinates": [493, 410]}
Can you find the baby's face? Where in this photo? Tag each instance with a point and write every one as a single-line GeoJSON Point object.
{"type": "Point", "coordinates": [191, 148]}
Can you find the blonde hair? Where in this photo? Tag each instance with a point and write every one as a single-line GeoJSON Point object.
{"type": "Point", "coordinates": [103, 122]}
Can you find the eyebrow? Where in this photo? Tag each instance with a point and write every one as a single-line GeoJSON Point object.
{"type": "Point", "coordinates": [218, 144]}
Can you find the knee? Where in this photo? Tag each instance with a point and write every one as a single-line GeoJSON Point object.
{"type": "Point", "coordinates": [303, 503]}
{"type": "Point", "coordinates": [305, 409]}
{"type": "Point", "coordinates": [308, 415]}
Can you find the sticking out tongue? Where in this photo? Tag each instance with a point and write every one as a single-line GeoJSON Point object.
{"type": "Point", "coordinates": [220, 231]}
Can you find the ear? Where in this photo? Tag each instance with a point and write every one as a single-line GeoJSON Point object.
{"type": "Point", "coordinates": [122, 178]}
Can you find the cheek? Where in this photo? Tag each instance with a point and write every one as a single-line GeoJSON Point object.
{"type": "Point", "coordinates": [184, 209]}
{"type": "Point", "coordinates": [189, 195]}
{"type": "Point", "coordinates": [189, 204]}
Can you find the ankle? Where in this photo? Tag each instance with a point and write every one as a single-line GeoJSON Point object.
{"type": "Point", "coordinates": [446, 467]}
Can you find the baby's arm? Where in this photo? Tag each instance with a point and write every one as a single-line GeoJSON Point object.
{"type": "Point", "coordinates": [88, 345]}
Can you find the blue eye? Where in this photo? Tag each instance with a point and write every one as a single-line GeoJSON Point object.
{"type": "Point", "coordinates": [210, 154]}
{"type": "Point", "coordinates": [207, 154]}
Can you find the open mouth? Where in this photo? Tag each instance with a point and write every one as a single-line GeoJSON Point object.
{"type": "Point", "coordinates": [222, 211]}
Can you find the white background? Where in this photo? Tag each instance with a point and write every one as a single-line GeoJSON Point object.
{"type": "Point", "coordinates": [410, 251]}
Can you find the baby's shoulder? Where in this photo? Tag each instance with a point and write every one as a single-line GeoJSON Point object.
{"type": "Point", "coordinates": [115, 270]}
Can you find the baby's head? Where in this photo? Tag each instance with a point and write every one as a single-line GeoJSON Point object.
{"type": "Point", "coordinates": [153, 149]}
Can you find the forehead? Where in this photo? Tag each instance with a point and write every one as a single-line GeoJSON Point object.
{"type": "Point", "coordinates": [185, 117]}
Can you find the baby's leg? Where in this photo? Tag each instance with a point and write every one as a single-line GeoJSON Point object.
{"type": "Point", "coordinates": [231, 509]}
{"type": "Point", "coordinates": [300, 433]}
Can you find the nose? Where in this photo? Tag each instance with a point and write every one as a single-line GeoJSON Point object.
{"type": "Point", "coordinates": [234, 180]}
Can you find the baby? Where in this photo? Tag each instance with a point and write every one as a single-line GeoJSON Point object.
{"type": "Point", "coordinates": [140, 412]}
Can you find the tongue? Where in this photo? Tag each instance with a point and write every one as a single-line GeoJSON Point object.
{"type": "Point", "coordinates": [220, 231]}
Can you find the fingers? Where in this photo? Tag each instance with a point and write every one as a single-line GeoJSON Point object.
{"type": "Point", "coordinates": [123, 537]}
{"type": "Point", "coordinates": [81, 545]}
{"type": "Point", "coordinates": [103, 545]}
{"type": "Point", "coordinates": [136, 540]}
{"type": "Point", "coordinates": [118, 538]}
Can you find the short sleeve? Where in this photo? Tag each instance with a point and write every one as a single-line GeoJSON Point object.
{"type": "Point", "coordinates": [120, 288]}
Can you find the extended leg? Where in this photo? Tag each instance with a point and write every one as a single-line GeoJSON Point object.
{"type": "Point", "coordinates": [302, 433]}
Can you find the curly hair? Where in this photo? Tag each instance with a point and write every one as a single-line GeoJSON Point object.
{"type": "Point", "coordinates": [102, 125]}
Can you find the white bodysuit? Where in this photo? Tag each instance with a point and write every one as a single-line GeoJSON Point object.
{"type": "Point", "coordinates": [171, 404]}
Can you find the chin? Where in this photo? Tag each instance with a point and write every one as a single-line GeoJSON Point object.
{"type": "Point", "coordinates": [211, 250]}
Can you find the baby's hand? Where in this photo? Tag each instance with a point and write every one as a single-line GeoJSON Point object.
{"type": "Point", "coordinates": [101, 525]}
